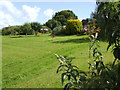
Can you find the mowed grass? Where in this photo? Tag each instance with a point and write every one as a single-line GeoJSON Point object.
{"type": "Point", "coordinates": [29, 62]}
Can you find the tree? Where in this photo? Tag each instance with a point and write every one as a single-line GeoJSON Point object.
{"type": "Point", "coordinates": [6, 31]}
{"type": "Point", "coordinates": [64, 15]}
{"type": "Point", "coordinates": [17, 28]}
{"type": "Point", "coordinates": [26, 28]}
{"type": "Point", "coordinates": [36, 27]}
{"type": "Point", "coordinates": [73, 27]}
{"type": "Point", "coordinates": [52, 23]}
{"type": "Point", "coordinates": [108, 18]}
{"type": "Point", "coordinates": [10, 30]}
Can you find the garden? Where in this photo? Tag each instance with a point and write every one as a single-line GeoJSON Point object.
{"type": "Point", "coordinates": [29, 62]}
{"type": "Point", "coordinates": [62, 53]}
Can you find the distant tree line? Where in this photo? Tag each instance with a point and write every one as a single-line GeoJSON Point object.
{"type": "Point", "coordinates": [59, 24]}
{"type": "Point", "coordinates": [62, 23]}
{"type": "Point", "coordinates": [25, 29]}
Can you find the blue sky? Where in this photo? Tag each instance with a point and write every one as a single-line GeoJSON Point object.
{"type": "Point", "coordinates": [17, 13]}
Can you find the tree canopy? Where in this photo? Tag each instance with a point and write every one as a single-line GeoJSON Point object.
{"type": "Point", "coordinates": [26, 28]}
{"type": "Point", "coordinates": [52, 23]}
{"type": "Point", "coordinates": [64, 15]}
{"type": "Point", "coordinates": [36, 27]}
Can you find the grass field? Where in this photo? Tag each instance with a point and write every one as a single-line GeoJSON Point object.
{"type": "Point", "coordinates": [29, 62]}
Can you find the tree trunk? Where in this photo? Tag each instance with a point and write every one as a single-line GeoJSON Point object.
{"type": "Point", "coordinates": [26, 34]}
{"type": "Point", "coordinates": [36, 33]}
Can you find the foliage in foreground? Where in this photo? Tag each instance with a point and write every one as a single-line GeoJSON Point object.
{"type": "Point", "coordinates": [99, 74]}
{"type": "Point", "coordinates": [107, 15]}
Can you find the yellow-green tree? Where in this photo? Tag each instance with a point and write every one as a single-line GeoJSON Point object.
{"type": "Point", "coordinates": [73, 27]}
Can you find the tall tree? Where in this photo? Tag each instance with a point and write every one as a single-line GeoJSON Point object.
{"type": "Point", "coordinates": [17, 28]}
{"type": "Point", "coordinates": [64, 15]}
{"type": "Point", "coordinates": [36, 27]}
{"type": "Point", "coordinates": [52, 23]}
{"type": "Point", "coordinates": [26, 28]}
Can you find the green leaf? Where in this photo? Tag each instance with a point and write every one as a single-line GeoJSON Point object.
{"type": "Point", "coordinates": [83, 72]}
{"type": "Point", "coordinates": [99, 63]}
{"type": "Point", "coordinates": [74, 66]}
{"type": "Point", "coordinates": [100, 53]}
{"type": "Point", "coordinates": [94, 74]}
{"type": "Point", "coordinates": [74, 76]}
{"type": "Point", "coordinates": [82, 78]}
{"type": "Point", "coordinates": [63, 77]}
{"type": "Point", "coordinates": [75, 71]}
{"type": "Point", "coordinates": [67, 86]}
{"type": "Point", "coordinates": [59, 59]}
{"type": "Point", "coordinates": [60, 67]}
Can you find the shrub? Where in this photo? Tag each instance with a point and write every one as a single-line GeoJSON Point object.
{"type": "Point", "coordinates": [6, 31]}
{"type": "Point", "coordinates": [58, 30]}
{"type": "Point", "coordinates": [73, 27]}
{"type": "Point", "coordinates": [11, 30]}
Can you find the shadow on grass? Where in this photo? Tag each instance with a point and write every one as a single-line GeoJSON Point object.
{"type": "Point", "coordinates": [16, 36]}
{"type": "Point", "coordinates": [81, 40]}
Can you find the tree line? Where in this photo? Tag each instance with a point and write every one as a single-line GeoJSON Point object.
{"type": "Point", "coordinates": [25, 29]}
{"type": "Point", "coordinates": [61, 23]}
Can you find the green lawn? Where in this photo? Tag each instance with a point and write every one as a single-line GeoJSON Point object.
{"type": "Point", "coordinates": [29, 62]}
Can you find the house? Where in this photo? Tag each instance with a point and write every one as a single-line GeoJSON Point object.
{"type": "Point", "coordinates": [44, 30]}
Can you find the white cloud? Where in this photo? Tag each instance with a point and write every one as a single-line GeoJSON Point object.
{"type": "Point", "coordinates": [11, 15]}
{"type": "Point", "coordinates": [5, 19]}
{"type": "Point", "coordinates": [62, 0]}
{"type": "Point", "coordinates": [10, 8]}
{"type": "Point", "coordinates": [30, 13]}
{"type": "Point", "coordinates": [49, 13]}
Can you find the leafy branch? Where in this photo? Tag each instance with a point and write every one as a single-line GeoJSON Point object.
{"type": "Point", "coordinates": [99, 74]}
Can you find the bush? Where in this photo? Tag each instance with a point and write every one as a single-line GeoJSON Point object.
{"type": "Point", "coordinates": [18, 30]}
{"type": "Point", "coordinates": [6, 31]}
{"type": "Point", "coordinates": [11, 30]}
{"type": "Point", "coordinates": [73, 27]}
{"type": "Point", "coordinates": [58, 30]}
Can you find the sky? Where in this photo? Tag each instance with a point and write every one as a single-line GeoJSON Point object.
{"type": "Point", "coordinates": [18, 13]}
